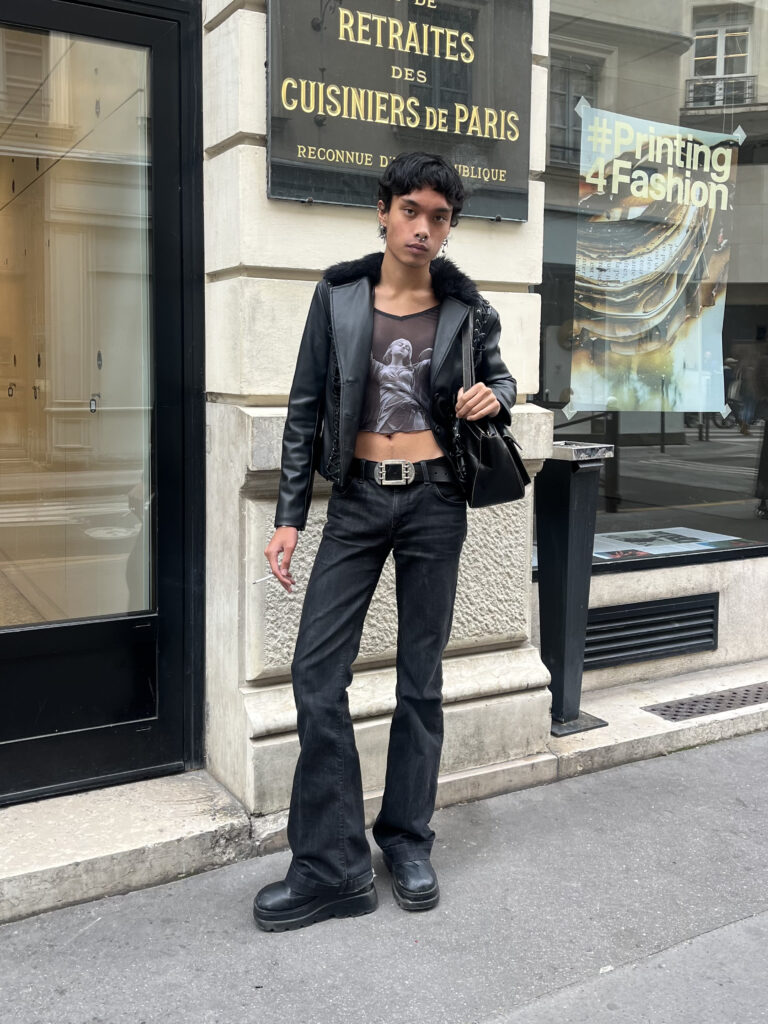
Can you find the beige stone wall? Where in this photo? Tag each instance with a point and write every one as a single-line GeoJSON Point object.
{"type": "Point", "coordinates": [742, 616]}
{"type": "Point", "coordinates": [263, 258]}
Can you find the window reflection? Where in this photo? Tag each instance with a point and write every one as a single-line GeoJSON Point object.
{"type": "Point", "coordinates": [75, 391]}
{"type": "Point", "coordinates": [692, 459]}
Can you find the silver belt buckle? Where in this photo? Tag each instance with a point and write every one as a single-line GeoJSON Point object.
{"type": "Point", "coordinates": [384, 475]}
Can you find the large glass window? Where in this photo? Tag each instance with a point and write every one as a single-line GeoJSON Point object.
{"type": "Point", "coordinates": [654, 308]}
{"type": "Point", "coordinates": [75, 344]}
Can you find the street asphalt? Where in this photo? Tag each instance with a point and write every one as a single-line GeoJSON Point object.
{"type": "Point", "coordinates": [638, 894]}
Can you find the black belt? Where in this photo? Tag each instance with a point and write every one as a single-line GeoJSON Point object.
{"type": "Point", "coordinates": [399, 472]}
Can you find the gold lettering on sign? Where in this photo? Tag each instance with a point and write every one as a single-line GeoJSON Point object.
{"type": "Point", "coordinates": [288, 83]}
{"type": "Point", "coordinates": [486, 122]}
{"type": "Point", "coordinates": [349, 157]}
{"type": "Point", "coordinates": [378, 107]}
{"type": "Point", "coordinates": [363, 27]}
{"type": "Point", "coordinates": [346, 26]}
{"type": "Point", "coordinates": [350, 102]}
{"type": "Point", "coordinates": [475, 173]}
{"type": "Point", "coordinates": [406, 37]}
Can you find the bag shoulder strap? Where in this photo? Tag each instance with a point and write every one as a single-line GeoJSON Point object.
{"type": "Point", "coordinates": [467, 361]}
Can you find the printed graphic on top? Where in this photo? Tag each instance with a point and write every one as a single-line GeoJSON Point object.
{"type": "Point", "coordinates": [397, 396]}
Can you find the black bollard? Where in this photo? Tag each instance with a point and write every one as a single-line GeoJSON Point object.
{"type": "Point", "coordinates": [566, 506]}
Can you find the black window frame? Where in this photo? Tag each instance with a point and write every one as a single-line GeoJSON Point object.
{"type": "Point", "coordinates": [570, 65]}
{"type": "Point", "coordinates": [181, 392]}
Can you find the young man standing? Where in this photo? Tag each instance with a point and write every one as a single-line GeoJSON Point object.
{"type": "Point", "coordinates": [373, 404]}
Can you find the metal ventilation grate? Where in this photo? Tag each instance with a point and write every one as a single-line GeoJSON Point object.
{"type": "Point", "coordinates": [711, 703]}
{"type": "Point", "coordinates": [651, 629]}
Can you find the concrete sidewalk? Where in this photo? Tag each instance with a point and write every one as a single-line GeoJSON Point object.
{"type": "Point", "coordinates": [637, 894]}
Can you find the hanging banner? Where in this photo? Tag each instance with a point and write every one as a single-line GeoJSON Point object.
{"type": "Point", "coordinates": [351, 85]}
{"type": "Point", "coordinates": [652, 247]}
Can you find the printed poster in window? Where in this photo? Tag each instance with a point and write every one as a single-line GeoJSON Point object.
{"type": "Point", "coordinates": [653, 239]}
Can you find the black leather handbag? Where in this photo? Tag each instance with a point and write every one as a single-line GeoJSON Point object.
{"type": "Point", "coordinates": [490, 457]}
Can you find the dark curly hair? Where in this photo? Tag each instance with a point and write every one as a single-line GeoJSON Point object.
{"type": "Point", "coordinates": [411, 171]}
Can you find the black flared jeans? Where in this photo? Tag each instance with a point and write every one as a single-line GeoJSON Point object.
{"type": "Point", "coordinates": [424, 526]}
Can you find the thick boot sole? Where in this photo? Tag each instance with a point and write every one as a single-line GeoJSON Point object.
{"type": "Point", "coordinates": [412, 900]}
{"type": "Point", "coordinates": [320, 909]}
{"type": "Point", "coordinates": [422, 901]}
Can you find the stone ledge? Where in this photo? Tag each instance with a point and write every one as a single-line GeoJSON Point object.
{"type": "Point", "coordinates": [88, 845]}
{"type": "Point", "coordinates": [269, 835]}
{"type": "Point", "coordinates": [479, 734]}
{"type": "Point", "coordinates": [531, 425]}
{"type": "Point", "coordinates": [466, 676]}
{"type": "Point", "coordinates": [633, 734]}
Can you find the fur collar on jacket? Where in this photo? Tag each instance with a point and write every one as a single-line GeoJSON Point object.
{"type": "Point", "coordinates": [447, 279]}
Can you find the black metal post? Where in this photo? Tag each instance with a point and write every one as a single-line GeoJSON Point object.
{"type": "Point", "coordinates": [566, 505]}
{"type": "Point", "coordinates": [612, 496]}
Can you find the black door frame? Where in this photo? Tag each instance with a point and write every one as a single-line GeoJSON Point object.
{"type": "Point", "coordinates": [172, 28]}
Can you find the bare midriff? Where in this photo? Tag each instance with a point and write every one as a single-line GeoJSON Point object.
{"type": "Point", "coordinates": [414, 447]}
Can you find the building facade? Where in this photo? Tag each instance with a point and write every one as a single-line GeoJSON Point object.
{"type": "Point", "coordinates": [155, 293]}
{"type": "Point", "coordinates": [263, 258]}
{"type": "Point", "coordinates": [666, 363]}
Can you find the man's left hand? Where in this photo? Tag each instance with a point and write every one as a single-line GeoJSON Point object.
{"type": "Point", "coordinates": [478, 402]}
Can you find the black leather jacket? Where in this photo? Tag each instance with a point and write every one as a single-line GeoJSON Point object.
{"type": "Point", "coordinates": [329, 384]}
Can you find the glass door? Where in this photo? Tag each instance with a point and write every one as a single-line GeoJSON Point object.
{"type": "Point", "coordinates": [75, 354]}
{"type": "Point", "coordinates": [90, 574]}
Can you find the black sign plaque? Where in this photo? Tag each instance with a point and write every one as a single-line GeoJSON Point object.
{"type": "Point", "coordinates": [352, 83]}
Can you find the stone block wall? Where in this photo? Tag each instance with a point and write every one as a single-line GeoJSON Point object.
{"type": "Point", "coordinates": [263, 258]}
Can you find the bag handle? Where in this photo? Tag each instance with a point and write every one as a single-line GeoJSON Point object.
{"type": "Point", "coordinates": [466, 351]}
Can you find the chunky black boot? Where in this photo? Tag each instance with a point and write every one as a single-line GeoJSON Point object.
{"type": "Point", "coordinates": [278, 908]}
{"type": "Point", "coordinates": [414, 884]}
